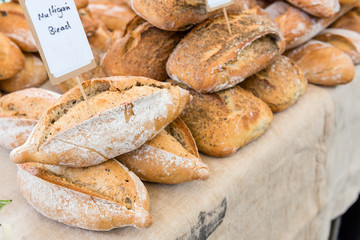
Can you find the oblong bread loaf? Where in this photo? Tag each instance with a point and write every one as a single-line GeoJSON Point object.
{"type": "Point", "coordinates": [128, 112]}
{"type": "Point", "coordinates": [98, 198]}
{"type": "Point", "coordinates": [208, 59]}
{"type": "Point", "coordinates": [171, 157]}
{"type": "Point", "coordinates": [346, 40]}
{"type": "Point", "coordinates": [223, 122]}
{"type": "Point", "coordinates": [350, 21]}
{"type": "Point", "coordinates": [19, 113]}
{"type": "Point", "coordinates": [89, 23]}
{"type": "Point", "coordinates": [321, 8]}
{"type": "Point", "coordinates": [279, 85]}
{"type": "Point", "coordinates": [323, 64]}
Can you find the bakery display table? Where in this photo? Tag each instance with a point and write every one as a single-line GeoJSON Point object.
{"type": "Point", "coordinates": [288, 184]}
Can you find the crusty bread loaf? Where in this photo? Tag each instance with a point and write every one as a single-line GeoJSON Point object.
{"type": "Point", "coordinates": [350, 21]}
{"type": "Point", "coordinates": [81, 3]}
{"type": "Point", "coordinates": [129, 111]}
{"type": "Point", "coordinates": [19, 112]}
{"type": "Point", "coordinates": [143, 51]}
{"type": "Point", "coordinates": [346, 40]}
{"type": "Point", "coordinates": [323, 64]}
{"type": "Point", "coordinates": [223, 122]}
{"type": "Point", "coordinates": [179, 15]}
{"type": "Point", "coordinates": [12, 60]}
{"type": "Point", "coordinates": [14, 25]}
{"type": "Point", "coordinates": [100, 40]}
{"type": "Point", "coordinates": [279, 85]}
{"type": "Point", "coordinates": [297, 26]}
{"type": "Point", "coordinates": [32, 75]}
{"type": "Point", "coordinates": [208, 59]}
{"type": "Point", "coordinates": [322, 8]}
{"type": "Point", "coordinates": [115, 16]}
{"type": "Point", "coordinates": [99, 198]}
{"type": "Point", "coordinates": [89, 23]}
{"type": "Point", "coordinates": [171, 157]}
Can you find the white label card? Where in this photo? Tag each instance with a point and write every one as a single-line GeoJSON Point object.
{"type": "Point", "coordinates": [60, 37]}
{"type": "Point", "coordinates": [212, 5]}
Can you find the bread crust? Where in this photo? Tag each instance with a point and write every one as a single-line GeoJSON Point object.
{"type": "Point", "coordinates": [98, 198]}
{"type": "Point", "coordinates": [208, 60]}
{"type": "Point", "coordinates": [143, 51]}
{"type": "Point", "coordinates": [89, 23]}
{"type": "Point", "coordinates": [322, 8]}
{"type": "Point", "coordinates": [346, 40]}
{"type": "Point", "coordinates": [350, 21]}
{"type": "Point", "coordinates": [223, 122]}
{"type": "Point", "coordinates": [129, 112]}
{"type": "Point", "coordinates": [279, 85]}
{"type": "Point", "coordinates": [171, 157]}
{"type": "Point", "coordinates": [323, 64]}
{"type": "Point", "coordinates": [12, 60]}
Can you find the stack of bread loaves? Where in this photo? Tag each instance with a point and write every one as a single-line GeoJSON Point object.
{"type": "Point", "coordinates": [171, 80]}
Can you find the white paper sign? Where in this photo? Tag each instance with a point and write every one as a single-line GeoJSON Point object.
{"type": "Point", "coordinates": [60, 33]}
{"type": "Point", "coordinates": [212, 5]}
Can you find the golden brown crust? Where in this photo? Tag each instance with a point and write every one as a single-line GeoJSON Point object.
{"type": "Point", "coordinates": [14, 25]}
{"type": "Point", "coordinates": [68, 134]}
{"type": "Point", "coordinates": [89, 23]}
{"type": "Point", "coordinates": [223, 122]}
{"type": "Point", "coordinates": [142, 52]}
{"type": "Point", "coordinates": [12, 60]}
{"type": "Point", "coordinates": [346, 40]}
{"type": "Point", "coordinates": [279, 85]}
{"type": "Point", "coordinates": [208, 60]}
{"type": "Point", "coordinates": [171, 157]}
{"type": "Point", "coordinates": [321, 8]}
{"type": "Point", "coordinates": [100, 40]}
{"type": "Point", "coordinates": [323, 64]}
{"type": "Point", "coordinates": [81, 3]}
{"type": "Point", "coordinates": [120, 198]}
{"type": "Point", "coordinates": [32, 75]}
{"type": "Point", "coordinates": [350, 21]}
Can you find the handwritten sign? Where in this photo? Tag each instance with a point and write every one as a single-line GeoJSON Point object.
{"type": "Point", "coordinates": [212, 5]}
{"type": "Point", "coordinates": [60, 37]}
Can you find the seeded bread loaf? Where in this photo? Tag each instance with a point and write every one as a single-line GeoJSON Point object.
{"type": "Point", "coordinates": [279, 85]}
{"type": "Point", "coordinates": [14, 25]}
{"type": "Point", "coordinates": [208, 59]}
{"type": "Point", "coordinates": [223, 122]}
{"type": "Point", "coordinates": [19, 113]}
{"type": "Point", "coordinates": [128, 111]}
{"type": "Point", "coordinates": [143, 51]}
{"type": "Point", "coordinates": [12, 60]}
{"type": "Point", "coordinates": [171, 157]}
{"type": "Point", "coordinates": [323, 64]}
{"type": "Point", "coordinates": [32, 75]}
{"type": "Point", "coordinates": [346, 40]}
{"type": "Point", "coordinates": [100, 198]}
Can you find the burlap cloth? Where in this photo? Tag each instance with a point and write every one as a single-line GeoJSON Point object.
{"type": "Point", "coordinates": [288, 184]}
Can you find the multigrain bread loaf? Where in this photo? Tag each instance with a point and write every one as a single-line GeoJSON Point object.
{"type": "Point", "coordinates": [101, 197]}
{"type": "Point", "coordinates": [179, 15]}
{"type": "Point", "coordinates": [115, 16]}
{"type": "Point", "coordinates": [346, 40]}
{"type": "Point", "coordinates": [297, 26]}
{"type": "Point", "coordinates": [208, 59]}
{"type": "Point", "coordinates": [128, 111]}
{"type": "Point", "coordinates": [143, 51]}
{"type": "Point", "coordinates": [350, 20]}
{"type": "Point", "coordinates": [14, 25]}
{"type": "Point", "coordinates": [323, 64]}
{"type": "Point", "coordinates": [321, 8]}
{"type": "Point", "coordinates": [32, 75]}
{"type": "Point", "coordinates": [19, 112]}
{"type": "Point", "coordinates": [279, 85]}
{"type": "Point", "coordinates": [171, 157]}
{"type": "Point", "coordinates": [223, 122]}
{"type": "Point", "coordinates": [12, 60]}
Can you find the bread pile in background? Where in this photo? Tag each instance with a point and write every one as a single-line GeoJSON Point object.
{"type": "Point", "coordinates": [171, 81]}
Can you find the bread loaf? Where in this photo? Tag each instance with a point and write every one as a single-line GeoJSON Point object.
{"type": "Point", "coordinates": [19, 112]}
{"type": "Point", "coordinates": [89, 23]}
{"type": "Point", "coordinates": [322, 8]}
{"type": "Point", "coordinates": [81, 3]}
{"type": "Point", "coordinates": [350, 21]}
{"type": "Point", "coordinates": [223, 122]}
{"type": "Point", "coordinates": [32, 75]}
{"type": "Point", "coordinates": [208, 59]}
{"type": "Point", "coordinates": [129, 111]}
{"type": "Point", "coordinates": [143, 51]}
{"type": "Point", "coordinates": [171, 157]}
{"type": "Point", "coordinates": [323, 64]}
{"type": "Point", "coordinates": [14, 25]}
{"type": "Point", "coordinates": [279, 85]}
{"type": "Point", "coordinates": [99, 198]}
{"type": "Point", "coordinates": [346, 40]}
{"type": "Point", "coordinates": [12, 60]}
